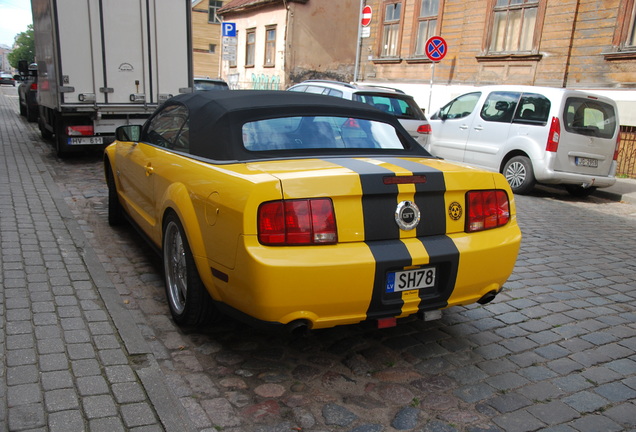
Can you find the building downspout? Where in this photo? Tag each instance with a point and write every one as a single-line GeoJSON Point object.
{"type": "Point", "coordinates": [287, 57]}
{"type": "Point", "coordinates": [569, 56]}
{"type": "Point", "coordinates": [358, 43]}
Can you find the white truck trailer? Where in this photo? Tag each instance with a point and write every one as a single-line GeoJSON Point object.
{"type": "Point", "coordinates": [106, 63]}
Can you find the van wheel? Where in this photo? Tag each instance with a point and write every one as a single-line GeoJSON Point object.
{"type": "Point", "coordinates": [579, 191]}
{"type": "Point", "coordinates": [189, 301]}
{"type": "Point", "coordinates": [518, 171]}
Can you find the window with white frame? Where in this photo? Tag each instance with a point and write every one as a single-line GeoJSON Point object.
{"type": "Point", "coordinates": [391, 29]}
{"type": "Point", "coordinates": [513, 26]}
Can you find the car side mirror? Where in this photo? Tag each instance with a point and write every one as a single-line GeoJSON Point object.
{"type": "Point", "coordinates": [128, 133]}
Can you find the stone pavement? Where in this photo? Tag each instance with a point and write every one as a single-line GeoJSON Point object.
{"type": "Point", "coordinates": [72, 358]}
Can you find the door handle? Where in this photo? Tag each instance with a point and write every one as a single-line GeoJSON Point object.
{"type": "Point", "coordinates": [463, 127]}
{"type": "Point", "coordinates": [149, 170]}
{"type": "Point", "coordinates": [478, 128]}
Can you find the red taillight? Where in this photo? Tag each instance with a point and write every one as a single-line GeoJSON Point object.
{"type": "Point", "coordinates": [424, 129]}
{"type": "Point", "coordinates": [33, 86]}
{"type": "Point", "coordinates": [618, 145]}
{"type": "Point", "coordinates": [297, 222]}
{"type": "Point", "coordinates": [487, 209]}
{"type": "Point", "coordinates": [80, 131]}
{"type": "Point", "coordinates": [554, 135]}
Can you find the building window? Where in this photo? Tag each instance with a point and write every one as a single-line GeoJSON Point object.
{"type": "Point", "coordinates": [250, 46]}
{"type": "Point", "coordinates": [212, 16]}
{"type": "Point", "coordinates": [212, 49]}
{"type": "Point", "coordinates": [391, 30]}
{"type": "Point", "coordinates": [630, 41]}
{"type": "Point", "coordinates": [426, 24]}
{"type": "Point", "coordinates": [270, 46]}
{"type": "Point", "coordinates": [513, 26]}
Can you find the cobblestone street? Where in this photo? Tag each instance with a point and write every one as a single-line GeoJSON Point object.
{"type": "Point", "coordinates": [88, 342]}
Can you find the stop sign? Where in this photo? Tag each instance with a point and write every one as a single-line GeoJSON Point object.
{"type": "Point", "coordinates": [366, 16]}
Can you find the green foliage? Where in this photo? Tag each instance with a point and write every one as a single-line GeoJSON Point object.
{"type": "Point", "coordinates": [24, 48]}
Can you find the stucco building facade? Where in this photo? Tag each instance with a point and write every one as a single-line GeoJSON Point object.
{"type": "Point", "coordinates": [280, 42]}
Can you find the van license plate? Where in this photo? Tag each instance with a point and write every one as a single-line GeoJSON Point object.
{"type": "Point", "coordinates": [586, 162]}
{"type": "Point", "coordinates": [86, 141]}
{"type": "Point", "coordinates": [410, 279]}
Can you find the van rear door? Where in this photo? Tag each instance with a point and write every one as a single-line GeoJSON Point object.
{"type": "Point", "coordinates": [588, 136]}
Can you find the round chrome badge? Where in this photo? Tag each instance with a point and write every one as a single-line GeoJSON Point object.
{"type": "Point", "coordinates": [407, 215]}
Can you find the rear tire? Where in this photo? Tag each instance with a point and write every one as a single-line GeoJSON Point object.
{"type": "Point", "coordinates": [579, 191]}
{"type": "Point", "coordinates": [23, 110]}
{"type": "Point", "coordinates": [115, 210]}
{"type": "Point", "coordinates": [189, 301]}
{"type": "Point", "coordinates": [518, 171]}
{"type": "Point", "coordinates": [60, 137]}
{"type": "Point", "coordinates": [46, 134]}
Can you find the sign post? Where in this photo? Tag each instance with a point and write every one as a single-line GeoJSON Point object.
{"type": "Point", "coordinates": [436, 49]}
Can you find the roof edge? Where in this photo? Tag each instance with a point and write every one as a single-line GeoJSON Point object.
{"type": "Point", "coordinates": [243, 5]}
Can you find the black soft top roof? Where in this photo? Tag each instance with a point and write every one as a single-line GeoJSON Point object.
{"type": "Point", "coordinates": [216, 118]}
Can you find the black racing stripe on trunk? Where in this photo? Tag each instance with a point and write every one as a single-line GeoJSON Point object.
{"type": "Point", "coordinates": [429, 196]}
{"type": "Point", "coordinates": [390, 255]}
{"type": "Point", "coordinates": [443, 253]}
{"type": "Point", "coordinates": [379, 201]}
{"type": "Point", "coordinates": [378, 205]}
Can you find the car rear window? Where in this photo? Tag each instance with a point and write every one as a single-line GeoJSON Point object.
{"type": "Point", "coordinates": [319, 132]}
{"type": "Point", "coordinates": [589, 117]}
{"type": "Point", "coordinates": [401, 108]}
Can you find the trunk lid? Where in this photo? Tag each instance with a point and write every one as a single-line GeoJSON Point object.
{"type": "Point", "coordinates": [367, 192]}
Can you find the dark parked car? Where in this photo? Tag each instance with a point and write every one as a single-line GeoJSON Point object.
{"type": "Point", "coordinates": [7, 78]}
{"type": "Point", "coordinates": [27, 92]}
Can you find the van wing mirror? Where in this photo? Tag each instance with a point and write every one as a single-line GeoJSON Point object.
{"type": "Point", "coordinates": [128, 133]}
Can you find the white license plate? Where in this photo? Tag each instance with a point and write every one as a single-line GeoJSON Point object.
{"type": "Point", "coordinates": [586, 162]}
{"type": "Point", "coordinates": [86, 141]}
{"type": "Point", "coordinates": [410, 279]}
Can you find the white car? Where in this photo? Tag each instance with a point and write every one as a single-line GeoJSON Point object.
{"type": "Point", "coordinates": [531, 135]}
{"type": "Point", "coordinates": [387, 99]}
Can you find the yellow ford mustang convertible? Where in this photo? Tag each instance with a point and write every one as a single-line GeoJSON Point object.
{"type": "Point", "coordinates": [307, 211]}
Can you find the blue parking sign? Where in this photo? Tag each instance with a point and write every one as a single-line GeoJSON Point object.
{"type": "Point", "coordinates": [229, 29]}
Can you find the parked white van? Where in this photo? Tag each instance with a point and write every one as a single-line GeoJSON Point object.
{"type": "Point", "coordinates": [531, 135]}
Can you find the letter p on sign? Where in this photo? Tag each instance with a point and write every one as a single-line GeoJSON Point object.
{"type": "Point", "coordinates": [229, 29]}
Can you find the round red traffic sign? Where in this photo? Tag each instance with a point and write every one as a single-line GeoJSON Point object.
{"type": "Point", "coordinates": [366, 16]}
{"type": "Point", "coordinates": [436, 48]}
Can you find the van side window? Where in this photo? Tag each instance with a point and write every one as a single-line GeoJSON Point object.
{"type": "Point", "coordinates": [500, 106]}
{"type": "Point", "coordinates": [533, 109]}
{"type": "Point", "coordinates": [589, 117]}
{"type": "Point", "coordinates": [458, 108]}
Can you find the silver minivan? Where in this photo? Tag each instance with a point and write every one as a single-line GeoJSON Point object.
{"type": "Point", "coordinates": [531, 135]}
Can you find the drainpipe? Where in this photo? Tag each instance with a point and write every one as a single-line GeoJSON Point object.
{"type": "Point", "coordinates": [569, 56]}
{"type": "Point", "coordinates": [358, 44]}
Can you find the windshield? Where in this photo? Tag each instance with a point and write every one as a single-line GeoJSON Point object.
{"type": "Point", "coordinates": [319, 132]}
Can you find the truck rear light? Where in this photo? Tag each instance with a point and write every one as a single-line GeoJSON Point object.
{"type": "Point", "coordinates": [297, 222]}
{"type": "Point", "coordinates": [33, 86]}
{"type": "Point", "coordinates": [618, 145]}
{"type": "Point", "coordinates": [554, 135]}
{"type": "Point", "coordinates": [80, 131]}
{"type": "Point", "coordinates": [486, 209]}
{"type": "Point", "coordinates": [424, 129]}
